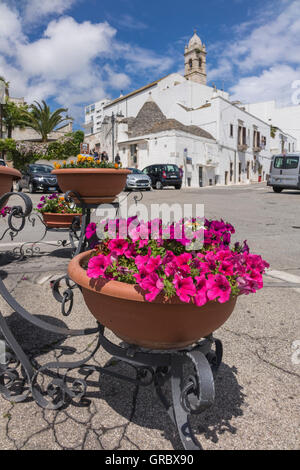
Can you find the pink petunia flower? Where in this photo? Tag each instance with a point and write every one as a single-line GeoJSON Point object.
{"type": "Point", "coordinates": [201, 295]}
{"type": "Point", "coordinates": [185, 288]}
{"type": "Point", "coordinates": [90, 230]}
{"type": "Point", "coordinates": [153, 263]}
{"type": "Point", "coordinates": [182, 261]}
{"type": "Point", "coordinates": [97, 266]}
{"type": "Point", "coordinates": [218, 287]}
{"type": "Point", "coordinates": [153, 284]}
{"type": "Point", "coordinates": [118, 246]}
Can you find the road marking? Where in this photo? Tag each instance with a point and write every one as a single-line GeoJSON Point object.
{"type": "Point", "coordinates": [287, 277]}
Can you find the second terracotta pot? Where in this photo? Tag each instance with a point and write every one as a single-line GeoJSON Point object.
{"type": "Point", "coordinates": [7, 176]}
{"type": "Point", "coordinates": [94, 185]}
{"type": "Point", "coordinates": [52, 220]}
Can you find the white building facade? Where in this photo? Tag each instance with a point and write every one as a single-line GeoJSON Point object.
{"type": "Point", "coordinates": [285, 119]}
{"type": "Point", "coordinates": [213, 139]}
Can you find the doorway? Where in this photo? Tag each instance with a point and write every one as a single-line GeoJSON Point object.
{"type": "Point", "coordinates": [200, 176]}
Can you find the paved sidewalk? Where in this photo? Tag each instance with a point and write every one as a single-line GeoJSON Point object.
{"type": "Point", "coordinates": [257, 388]}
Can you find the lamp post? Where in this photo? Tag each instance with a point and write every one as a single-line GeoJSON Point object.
{"type": "Point", "coordinates": [113, 120]}
{"type": "Point", "coordinates": [2, 102]}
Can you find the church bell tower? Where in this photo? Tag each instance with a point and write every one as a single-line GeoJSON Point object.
{"type": "Point", "coordinates": [195, 60]}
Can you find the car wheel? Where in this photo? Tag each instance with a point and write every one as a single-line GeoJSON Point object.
{"type": "Point", "coordinates": [18, 188]}
{"type": "Point", "coordinates": [276, 189]}
{"type": "Point", "coordinates": [158, 185]}
{"type": "Point", "coordinates": [30, 188]}
{"type": "Point", "coordinates": [178, 186]}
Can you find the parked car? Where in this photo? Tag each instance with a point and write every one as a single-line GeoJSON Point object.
{"type": "Point", "coordinates": [137, 180]}
{"type": "Point", "coordinates": [37, 177]}
{"type": "Point", "coordinates": [164, 175]}
{"type": "Point", "coordinates": [284, 172]}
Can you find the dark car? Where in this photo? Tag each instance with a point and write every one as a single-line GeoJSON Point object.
{"type": "Point", "coordinates": [164, 175]}
{"type": "Point", "coordinates": [37, 177]}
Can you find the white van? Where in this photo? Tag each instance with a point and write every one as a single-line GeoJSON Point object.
{"type": "Point", "coordinates": [285, 172]}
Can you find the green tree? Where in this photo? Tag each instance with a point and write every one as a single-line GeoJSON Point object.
{"type": "Point", "coordinates": [12, 116]}
{"type": "Point", "coordinates": [42, 120]}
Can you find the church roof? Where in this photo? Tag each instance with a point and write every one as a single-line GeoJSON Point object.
{"type": "Point", "coordinates": [135, 92]}
{"type": "Point", "coordinates": [150, 119]}
{"type": "Point", "coordinates": [195, 40]}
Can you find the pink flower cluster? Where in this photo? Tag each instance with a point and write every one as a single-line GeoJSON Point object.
{"type": "Point", "coordinates": [4, 211]}
{"type": "Point", "coordinates": [164, 267]}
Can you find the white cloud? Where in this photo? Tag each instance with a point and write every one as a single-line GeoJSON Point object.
{"type": "Point", "coordinates": [70, 62]}
{"type": "Point", "coordinates": [10, 29]}
{"type": "Point", "coordinates": [274, 83]}
{"type": "Point", "coordinates": [139, 59]}
{"type": "Point", "coordinates": [67, 48]}
{"type": "Point", "coordinates": [266, 58]}
{"type": "Point", "coordinates": [37, 9]}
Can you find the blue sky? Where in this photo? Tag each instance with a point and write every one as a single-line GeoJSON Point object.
{"type": "Point", "coordinates": [74, 52]}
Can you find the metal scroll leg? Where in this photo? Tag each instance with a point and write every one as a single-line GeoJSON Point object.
{"type": "Point", "coordinates": [191, 396]}
{"type": "Point", "coordinates": [13, 387]}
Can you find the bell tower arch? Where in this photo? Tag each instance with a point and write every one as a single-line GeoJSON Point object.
{"type": "Point", "coordinates": [195, 60]}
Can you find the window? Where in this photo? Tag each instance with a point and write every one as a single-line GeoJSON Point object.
{"type": "Point", "coordinates": [256, 138]}
{"type": "Point", "coordinates": [200, 62]}
{"type": "Point", "coordinates": [190, 63]}
{"type": "Point", "coordinates": [231, 130]}
{"type": "Point", "coordinates": [278, 163]}
{"type": "Point", "coordinates": [242, 135]}
{"type": "Point", "coordinates": [291, 163]}
{"type": "Point", "coordinates": [289, 147]}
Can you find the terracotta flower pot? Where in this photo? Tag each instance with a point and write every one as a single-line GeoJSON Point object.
{"type": "Point", "coordinates": [94, 185]}
{"type": "Point", "coordinates": [53, 220]}
{"type": "Point", "coordinates": [7, 175]}
{"type": "Point", "coordinates": [122, 308]}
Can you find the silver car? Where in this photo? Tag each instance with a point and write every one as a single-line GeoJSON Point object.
{"type": "Point", "coordinates": [137, 180]}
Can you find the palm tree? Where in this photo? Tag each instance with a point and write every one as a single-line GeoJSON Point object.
{"type": "Point", "coordinates": [42, 120]}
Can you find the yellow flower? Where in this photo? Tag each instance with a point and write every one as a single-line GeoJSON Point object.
{"type": "Point", "coordinates": [64, 162]}
{"type": "Point", "coordinates": [57, 166]}
{"type": "Point", "coordinates": [61, 198]}
{"type": "Point", "coordinates": [90, 159]}
{"type": "Point", "coordinates": [72, 162]}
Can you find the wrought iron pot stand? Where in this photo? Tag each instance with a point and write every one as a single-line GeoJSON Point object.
{"type": "Point", "coordinates": [190, 370]}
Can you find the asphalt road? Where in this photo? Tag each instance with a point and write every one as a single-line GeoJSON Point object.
{"type": "Point", "coordinates": [269, 222]}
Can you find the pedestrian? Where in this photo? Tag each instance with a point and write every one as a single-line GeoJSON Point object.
{"type": "Point", "coordinates": [96, 155]}
{"type": "Point", "coordinates": [118, 159]}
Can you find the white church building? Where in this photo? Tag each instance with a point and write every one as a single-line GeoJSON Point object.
{"type": "Point", "coordinates": [179, 119]}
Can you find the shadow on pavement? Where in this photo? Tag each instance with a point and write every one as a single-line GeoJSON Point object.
{"type": "Point", "coordinates": [141, 405]}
